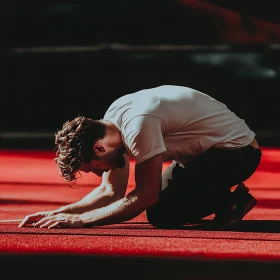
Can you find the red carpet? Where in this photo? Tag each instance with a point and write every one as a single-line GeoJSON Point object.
{"type": "Point", "coordinates": [30, 183]}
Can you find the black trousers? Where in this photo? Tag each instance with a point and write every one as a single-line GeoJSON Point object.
{"type": "Point", "coordinates": [203, 187]}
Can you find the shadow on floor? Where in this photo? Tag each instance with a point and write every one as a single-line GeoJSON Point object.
{"type": "Point", "coordinates": [267, 226]}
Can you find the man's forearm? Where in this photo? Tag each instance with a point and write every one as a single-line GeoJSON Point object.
{"type": "Point", "coordinates": [119, 211]}
{"type": "Point", "coordinates": [99, 197]}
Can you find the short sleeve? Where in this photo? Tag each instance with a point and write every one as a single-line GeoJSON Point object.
{"type": "Point", "coordinates": [143, 137]}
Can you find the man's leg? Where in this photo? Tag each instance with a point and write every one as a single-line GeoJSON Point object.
{"type": "Point", "coordinates": [241, 203]}
{"type": "Point", "coordinates": [177, 205]}
{"type": "Point", "coordinates": [203, 186]}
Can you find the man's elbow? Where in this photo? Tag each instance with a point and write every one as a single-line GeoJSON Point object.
{"type": "Point", "coordinates": [151, 197]}
{"type": "Point", "coordinates": [144, 199]}
{"type": "Point", "coordinates": [112, 194]}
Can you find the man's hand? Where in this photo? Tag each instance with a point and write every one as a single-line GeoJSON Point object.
{"type": "Point", "coordinates": [34, 218]}
{"type": "Point", "coordinates": [61, 220]}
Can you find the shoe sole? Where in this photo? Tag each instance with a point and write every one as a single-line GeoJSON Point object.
{"type": "Point", "coordinates": [246, 210]}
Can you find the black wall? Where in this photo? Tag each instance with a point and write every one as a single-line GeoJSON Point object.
{"type": "Point", "coordinates": [40, 90]}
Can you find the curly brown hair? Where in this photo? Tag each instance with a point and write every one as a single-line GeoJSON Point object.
{"type": "Point", "coordinates": [74, 144]}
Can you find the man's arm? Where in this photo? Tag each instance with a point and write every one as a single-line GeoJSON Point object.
{"type": "Point", "coordinates": [146, 193]}
{"type": "Point", "coordinates": [112, 188]}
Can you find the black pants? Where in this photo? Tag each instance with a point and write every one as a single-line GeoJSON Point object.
{"type": "Point", "coordinates": [202, 187]}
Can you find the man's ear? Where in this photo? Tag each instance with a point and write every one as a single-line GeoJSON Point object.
{"type": "Point", "coordinates": [98, 148]}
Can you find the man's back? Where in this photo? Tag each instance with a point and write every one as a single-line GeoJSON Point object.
{"type": "Point", "coordinates": [181, 121]}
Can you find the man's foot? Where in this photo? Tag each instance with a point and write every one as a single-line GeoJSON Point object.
{"type": "Point", "coordinates": [243, 202]}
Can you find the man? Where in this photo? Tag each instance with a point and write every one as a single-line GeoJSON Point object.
{"type": "Point", "coordinates": [212, 151]}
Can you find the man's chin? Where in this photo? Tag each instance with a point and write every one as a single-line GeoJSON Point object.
{"type": "Point", "coordinates": [121, 162]}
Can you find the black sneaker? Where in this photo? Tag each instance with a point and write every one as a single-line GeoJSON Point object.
{"type": "Point", "coordinates": [243, 202]}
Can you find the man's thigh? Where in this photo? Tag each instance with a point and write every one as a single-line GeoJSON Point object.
{"type": "Point", "coordinates": [217, 169]}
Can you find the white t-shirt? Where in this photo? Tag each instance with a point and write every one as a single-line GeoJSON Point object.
{"type": "Point", "coordinates": [177, 121]}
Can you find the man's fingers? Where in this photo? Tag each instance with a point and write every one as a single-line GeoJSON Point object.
{"type": "Point", "coordinates": [30, 219]}
{"type": "Point", "coordinates": [54, 225]}
{"type": "Point", "coordinates": [46, 224]}
{"type": "Point", "coordinates": [24, 222]}
{"type": "Point", "coordinates": [55, 220]}
{"type": "Point", "coordinates": [49, 222]}
{"type": "Point", "coordinates": [42, 221]}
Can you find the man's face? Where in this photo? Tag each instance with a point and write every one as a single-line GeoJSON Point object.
{"type": "Point", "coordinates": [107, 160]}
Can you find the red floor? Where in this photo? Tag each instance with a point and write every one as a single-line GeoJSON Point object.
{"type": "Point", "coordinates": [30, 183]}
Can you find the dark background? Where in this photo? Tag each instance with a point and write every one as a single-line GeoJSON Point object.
{"type": "Point", "coordinates": [60, 59]}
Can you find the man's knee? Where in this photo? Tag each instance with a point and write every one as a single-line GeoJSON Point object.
{"type": "Point", "coordinates": [160, 217]}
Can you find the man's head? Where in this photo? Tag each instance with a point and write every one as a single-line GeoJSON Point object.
{"type": "Point", "coordinates": [88, 145]}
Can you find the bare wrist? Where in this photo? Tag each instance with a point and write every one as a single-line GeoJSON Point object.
{"type": "Point", "coordinates": [85, 218]}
